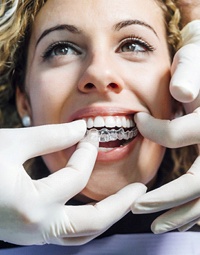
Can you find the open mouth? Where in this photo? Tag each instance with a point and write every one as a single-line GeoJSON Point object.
{"type": "Point", "coordinates": [114, 131]}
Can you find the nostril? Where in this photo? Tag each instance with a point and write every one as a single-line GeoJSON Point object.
{"type": "Point", "coordinates": [101, 87]}
{"type": "Point", "coordinates": [89, 86]}
{"type": "Point", "coordinates": [113, 85]}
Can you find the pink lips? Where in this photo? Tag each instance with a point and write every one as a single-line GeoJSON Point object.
{"type": "Point", "coordinates": [117, 153]}
{"type": "Point", "coordinates": [101, 111]}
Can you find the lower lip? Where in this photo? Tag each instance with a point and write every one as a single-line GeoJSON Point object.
{"type": "Point", "coordinates": [118, 153]}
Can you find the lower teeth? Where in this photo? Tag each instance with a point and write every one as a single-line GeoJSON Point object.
{"type": "Point", "coordinates": [107, 135]}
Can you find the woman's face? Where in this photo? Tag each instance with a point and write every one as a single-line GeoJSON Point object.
{"type": "Point", "coordinates": [102, 61]}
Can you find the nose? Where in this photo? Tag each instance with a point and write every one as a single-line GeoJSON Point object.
{"type": "Point", "coordinates": [100, 75]}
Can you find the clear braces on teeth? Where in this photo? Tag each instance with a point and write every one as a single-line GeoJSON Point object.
{"type": "Point", "coordinates": [107, 135]}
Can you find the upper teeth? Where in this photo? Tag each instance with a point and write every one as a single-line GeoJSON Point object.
{"type": "Point", "coordinates": [110, 122]}
{"type": "Point", "coordinates": [107, 135]}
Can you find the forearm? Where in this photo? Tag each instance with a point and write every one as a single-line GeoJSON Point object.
{"type": "Point", "coordinates": [190, 10]}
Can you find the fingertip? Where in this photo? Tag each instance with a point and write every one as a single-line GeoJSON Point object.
{"type": "Point", "coordinates": [154, 230]}
{"type": "Point", "coordinates": [137, 189]}
{"type": "Point", "coordinates": [182, 93]}
{"type": "Point", "coordinates": [142, 189]}
{"type": "Point", "coordinates": [141, 116]}
{"type": "Point", "coordinates": [135, 208]}
{"type": "Point", "coordinates": [138, 208]}
{"type": "Point", "coordinates": [92, 137]}
{"type": "Point", "coordinates": [132, 192]}
{"type": "Point", "coordinates": [157, 228]}
{"type": "Point", "coordinates": [78, 125]}
{"type": "Point", "coordinates": [81, 122]}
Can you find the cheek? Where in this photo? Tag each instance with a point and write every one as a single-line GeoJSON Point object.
{"type": "Point", "coordinates": [159, 99]}
{"type": "Point", "coordinates": [49, 91]}
{"type": "Point", "coordinates": [152, 88]}
{"type": "Point", "coordinates": [150, 163]}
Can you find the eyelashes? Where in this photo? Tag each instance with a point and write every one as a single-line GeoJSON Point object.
{"type": "Point", "coordinates": [132, 44]}
{"type": "Point", "coordinates": [61, 48]}
{"type": "Point", "coordinates": [136, 44]}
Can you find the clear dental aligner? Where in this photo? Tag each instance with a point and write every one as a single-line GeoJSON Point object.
{"type": "Point", "coordinates": [107, 135]}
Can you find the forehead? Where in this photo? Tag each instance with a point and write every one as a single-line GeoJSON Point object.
{"type": "Point", "coordinates": [94, 14]}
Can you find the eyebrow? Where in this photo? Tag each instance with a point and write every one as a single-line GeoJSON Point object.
{"type": "Point", "coordinates": [66, 27]}
{"type": "Point", "coordinates": [126, 23]}
{"type": "Point", "coordinates": [75, 30]}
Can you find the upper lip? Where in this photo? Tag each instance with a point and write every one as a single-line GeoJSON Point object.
{"type": "Point", "coordinates": [100, 111]}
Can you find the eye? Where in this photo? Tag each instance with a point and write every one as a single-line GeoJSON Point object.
{"type": "Point", "coordinates": [135, 45]}
{"type": "Point", "coordinates": [61, 49]}
{"type": "Point", "coordinates": [128, 47]}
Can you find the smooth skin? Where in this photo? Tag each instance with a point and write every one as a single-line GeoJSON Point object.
{"type": "Point", "coordinates": [119, 64]}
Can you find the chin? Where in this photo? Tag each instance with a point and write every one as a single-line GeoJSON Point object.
{"type": "Point", "coordinates": [107, 179]}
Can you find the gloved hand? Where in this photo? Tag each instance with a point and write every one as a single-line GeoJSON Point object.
{"type": "Point", "coordinates": [185, 82]}
{"type": "Point", "coordinates": [182, 194]}
{"type": "Point", "coordinates": [34, 211]}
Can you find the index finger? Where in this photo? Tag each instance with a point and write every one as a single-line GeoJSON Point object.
{"type": "Point", "coordinates": [67, 182]}
{"type": "Point", "coordinates": [104, 213]}
{"type": "Point", "coordinates": [185, 81]}
{"type": "Point", "coordinates": [174, 193]}
{"type": "Point", "coordinates": [85, 222]}
{"type": "Point", "coordinates": [25, 143]}
{"type": "Point", "coordinates": [172, 134]}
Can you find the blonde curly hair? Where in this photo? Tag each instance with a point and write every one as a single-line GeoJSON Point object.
{"type": "Point", "coordinates": [16, 20]}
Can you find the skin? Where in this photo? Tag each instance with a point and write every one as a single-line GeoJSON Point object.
{"type": "Point", "coordinates": [190, 10]}
{"type": "Point", "coordinates": [102, 78]}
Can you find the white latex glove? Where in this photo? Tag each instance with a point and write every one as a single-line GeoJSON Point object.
{"type": "Point", "coordinates": [34, 212]}
{"type": "Point", "coordinates": [185, 82]}
{"type": "Point", "coordinates": [182, 194]}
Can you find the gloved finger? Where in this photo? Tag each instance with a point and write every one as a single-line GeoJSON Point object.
{"type": "Point", "coordinates": [67, 182]}
{"type": "Point", "coordinates": [73, 240]}
{"type": "Point", "coordinates": [26, 143]}
{"type": "Point", "coordinates": [171, 194]}
{"type": "Point", "coordinates": [185, 81]}
{"type": "Point", "coordinates": [177, 217]}
{"type": "Point", "coordinates": [90, 219]}
{"type": "Point", "coordinates": [176, 133]}
{"type": "Point", "coordinates": [188, 225]}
